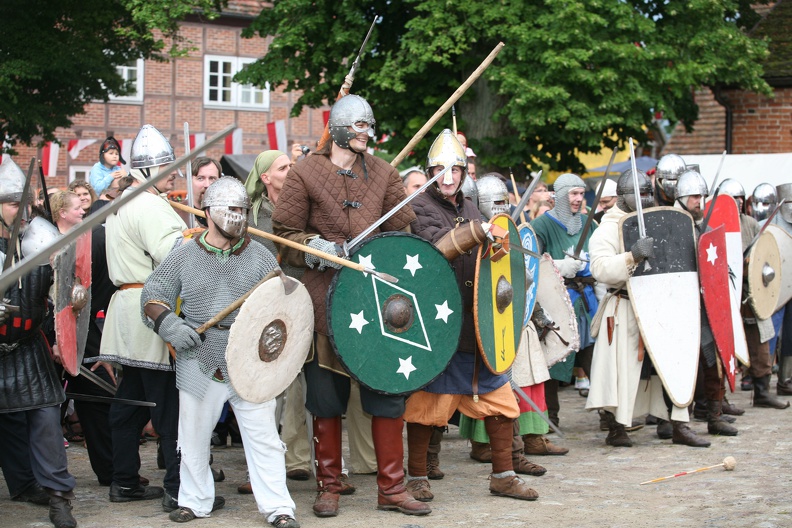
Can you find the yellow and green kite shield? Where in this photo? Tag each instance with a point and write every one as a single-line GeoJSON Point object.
{"type": "Point", "coordinates": [499, 296]}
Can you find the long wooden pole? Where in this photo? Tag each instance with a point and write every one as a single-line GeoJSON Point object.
{"type": "Point", "coordinates": [448, 104]}
{"type": "Point", "coordinates": [302, 247]}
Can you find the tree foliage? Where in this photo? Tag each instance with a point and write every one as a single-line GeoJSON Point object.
{"type": "Point", "coordinates": [575, 74]}
{"type": "Point", "coordinates": [56, 56]}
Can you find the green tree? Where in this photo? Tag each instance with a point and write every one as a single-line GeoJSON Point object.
{"type": "Point", "coordinates": [56, 56]}
{"type": "Point", "coordinates": [574, 74]}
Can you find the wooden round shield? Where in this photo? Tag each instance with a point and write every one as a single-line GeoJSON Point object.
{"type": "Point", "coordinates": [764, 276]}
{"type": "Point", "coordinates": [395, 338]}
{"type": "Point", "coordinates": [528, 238]}
{"type": "Point", "coordinates": [563, 339]}
{"type": "Point", "coordinates": [72, 300]}
{"type": "Point", "coordinates": [269, 340]}
{"type": "Point", "coordinates": [784, 242]}
{"type": "Point", "coordinates": [498, 298]}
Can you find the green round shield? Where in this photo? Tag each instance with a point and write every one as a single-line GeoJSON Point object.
{"type": "Point", "coordinates": [395, 338]}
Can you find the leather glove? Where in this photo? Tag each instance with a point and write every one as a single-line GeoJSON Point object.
{"type": "Point", "coordinates": [322, 245]}
{"type": "Point", "coordinates": [176, 331]}
{"type": "Point", "coordinates": [4, 311]}
{"type": "Point", "coordinates": [643, 249]}
{"type": "Point", "coordinates": [569, 267]}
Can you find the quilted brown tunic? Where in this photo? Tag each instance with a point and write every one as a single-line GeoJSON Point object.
{"type": "Point", "coordinates": [312, 201]}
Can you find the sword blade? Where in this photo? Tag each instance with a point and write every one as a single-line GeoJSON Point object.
{"type": "Point", "coordinates": [762, 230]}
{"type": "Point", "coordinates": [96, 380]}
{"type": "Point", "coordinates": [190, 197]}
{"type": "Point", "coordinates": [590, 217]}
{"type": "Point", "coordinates": [709, 213]}
{"type": "Point", "coordinates": [526, 196]}
{"type": "Point", "coordinates": [106, 399]}
{"type": "Point", "coordinates": [717, 174]}
{"type": "Point", "coordinates": [28, 264]}
{"type": "Point", "coordinates": [638, 204]}
{"type": "Point", "coordinates": [535, 407]}
{"type": "Point", "coordinates": [524, 250]}
{"type": "Point", "coordinates": [347, 247]}
{"type": "Point", "coordinates": [351, 75]}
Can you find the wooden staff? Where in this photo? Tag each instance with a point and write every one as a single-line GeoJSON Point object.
{"type": "Point", "coordinates": [301, 247]}
{"type": "Point", "coordinates": [728, 464]}
{"type": "Point", "coordinates": [443, 109]}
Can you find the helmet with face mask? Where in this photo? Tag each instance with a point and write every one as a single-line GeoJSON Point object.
{"type": "Point", "coordinates": [469, 189]}
{"type": "Point", "coordinates": [493, 196]}
{"type": "Point", "coordinates": [763, 200]}
{"type": "Point", "coordinates": [625, 191]}
{"type": "Point", "coordinates": [220, 197]}
{"type": "Point", "coordinates": [784, 192]}
{"type": "Point", "coordinates": [669, 169]}
{"type": "Point", "coordinates": [347, 112]}
{"type": "Point", "coordinates": [446, 150]}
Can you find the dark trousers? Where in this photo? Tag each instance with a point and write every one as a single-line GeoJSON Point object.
{"type": "Point", "coordinates": [95, 423]}
{"type": "Point", "coordinates": [14, 453]}
{"type": "Point", "coordinates": [127, 422]}
{"type": "Point", "coordinates": [786, 331]}
{"type": "Point", "coordinates": [46, 454]}
{"type": "Point", "coordinates": [328, 394]}
{"type": "Point", "coordinates": [758, 352]}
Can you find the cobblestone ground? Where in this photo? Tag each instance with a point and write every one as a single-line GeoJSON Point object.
{"type": "Point", "coordinates": [594, 485]}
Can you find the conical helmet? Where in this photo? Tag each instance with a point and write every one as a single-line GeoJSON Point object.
{"type": "Point", "coordinates": [151, 149]}
{"type": "Point", "coordinates": [691, 183]}
{"type": "Point", "coordinates": [12, 181]}
{"type": "Point", "coordinates": [446, 151]}
{"type": "Point", "coordinates": [732, 187]}
{"type": "Point", "coordinates": [469, 189]}
{"type": "Point", "coordinates": [669, 169]}
{"type": "Point", "coordinates": [763, 200]}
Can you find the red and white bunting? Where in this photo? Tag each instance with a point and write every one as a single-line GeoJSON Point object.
{"type": "Point", "coordinates": [277, 135]}
{"type": "Point", "coordinates": [126, 151]}
{"type": "Point", "coordinates": [78, 145]}
{"type": "Point", "coordinates": [49, 158]}
{"type": "Point", "coordinates": [196, 140]}
{"type": "Point", "coordinates": [233, 142]}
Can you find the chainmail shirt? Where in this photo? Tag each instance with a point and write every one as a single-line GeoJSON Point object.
{"type": "Point", "coordinates": [562, 212]}
{"type": "Point", "coordinates": [207, 283]}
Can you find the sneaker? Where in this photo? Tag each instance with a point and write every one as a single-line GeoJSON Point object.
{"type": "Point", "coordinates": [582, 383]}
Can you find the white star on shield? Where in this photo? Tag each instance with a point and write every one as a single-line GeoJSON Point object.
{"type": "Point", "coordinates": [712, 254]}
{"type": "Point", "coordinates": [443, 311]}
{"type": "Point", "coordinates": [366, 262]}
{"type": "Point", "coordinates": [358, 322]}
{"type": "Point", "coordinates": [406, 367]}
{"type": "Point", "coordinates": [412, 264]}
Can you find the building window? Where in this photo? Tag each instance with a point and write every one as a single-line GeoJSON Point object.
{"type": "Point", "coordinates": [220, 90]}
{"type": "Point", "coordinates": [79, 172]}
{"type": "Point", "coordinates": [132, 73]}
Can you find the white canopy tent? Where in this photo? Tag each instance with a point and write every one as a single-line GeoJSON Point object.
{"type": "Point", "coordinates": [749, 169]}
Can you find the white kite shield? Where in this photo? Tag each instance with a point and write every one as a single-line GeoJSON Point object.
{"type": "Point", "coordinates": [666, 298]}
{"type": "Point", "coordinates": [561, 339]}
{"type": "Point", "coordinates": [269, 340]}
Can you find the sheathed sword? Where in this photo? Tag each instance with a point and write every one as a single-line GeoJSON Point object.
{"type": "Point", "coordinates": [190, 197]}
{"type": "Point", "coordinates": [638, 205]}
{"type": "Point", "coordinates": [347, 246]}
{"type": "Point", "coordinates": [96, 380]}
{"type": "Point", "coordinates": [23, 203]}
{"type": "Point", "coordinates": [590, 217]}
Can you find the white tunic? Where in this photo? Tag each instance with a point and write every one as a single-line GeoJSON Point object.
{"type": "Point", "coordinates": [139, 236]}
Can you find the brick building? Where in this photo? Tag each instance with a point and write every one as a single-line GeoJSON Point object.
{"type": "Point", "coordinates": [743, 122]}
{"type": "Point", "coordinates": [196, 89]}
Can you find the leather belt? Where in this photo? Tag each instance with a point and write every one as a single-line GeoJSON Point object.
{"type": "Point", "coordinates": [131, 285]}
{"type": "Point", "coordinates": [624, 294]}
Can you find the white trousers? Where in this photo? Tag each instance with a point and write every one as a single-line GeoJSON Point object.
{"type": "Point", "coordinates": [264, 452]}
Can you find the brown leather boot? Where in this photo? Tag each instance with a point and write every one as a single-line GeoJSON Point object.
{"type": "Point", "coordinates": [731, 409]}
{"type": "Point", "coordinates": [480, 452]}
{"type": "Point", "coordinates": [684, 435]}
{"type": "Point", "coordinates": [520, 464]}
{"type": "Point", "coordinates": [392, 494]}
{"type": "Point", "coordinates": [433, 470]}
{"type": "Point", "coordinates": [420, 489]}
{"type": "Point", "coordinates": [617, 436]}
{"type": "Point", "coordinates": [762, 396]}
{"type": "Point", "coordinates": [513, 487]}
{"type": "Point", "coordinates": [327, 451]}
{"type": "Point", "coordinates": [715, 423]}
{"type": "Point", "coordinates": [536, 444]}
